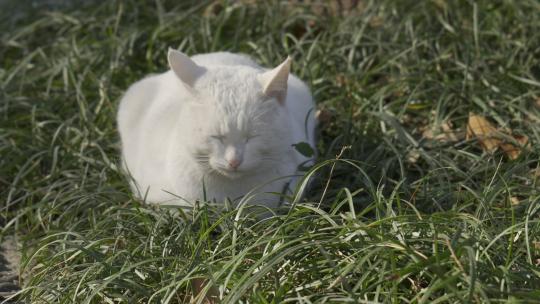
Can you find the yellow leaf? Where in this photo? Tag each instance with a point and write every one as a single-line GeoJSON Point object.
{"type": "Point", "coordinates": [443, 133]}
{"type": "Point", "coordinates": [512, 150]}
{"type": "Point", "coordinates": [413, 156]}
{"type": "Point", "coordinates": [514, 200]}
{"type": "Point", "coordinates": [482, 130]}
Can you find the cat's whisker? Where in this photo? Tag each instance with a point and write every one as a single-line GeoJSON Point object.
{"type": "Point", "coordinates": [203, 159]}
{"type": "Point", "coordinates": [214, 171]}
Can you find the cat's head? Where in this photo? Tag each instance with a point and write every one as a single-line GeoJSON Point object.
{"type": "Point", "coordinates": [236, 120]}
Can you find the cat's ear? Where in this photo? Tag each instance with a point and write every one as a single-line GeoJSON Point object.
{"type": "Point", "coordinates": [274, 82]}
{"type": "Point", "coordinates": [184, 68]}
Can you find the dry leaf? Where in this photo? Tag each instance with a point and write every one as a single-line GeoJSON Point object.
{"type": "Point", "coordinates": [445, 134]}
{"type": "Point", "coordinates": [514, 200]}
{"type": "Point", "coordinates": [441, 4]}
{"type": "Point", "coordinates": [341, 80]}
{"type": "Point", "coordinates": [329, 7]}
{"type": "Point", "coordinates": [413, 156]}
{"type": "Point", "coordinates": [213, 9]}
{"type": "Point", "coordinates": [513, 151]}
{"type": "Point", "coordinates": [323, 116]}
{"type": "Point", "coordinates": [450, 135]}
{"type": "Point", "coordinates": [479, 128]}
{"type": "Point", "coordinates": [376, 21]}
{"type": "Point", "coordinates": [490, 138]}
{"type": "Point", "coordinates": [538, 102]}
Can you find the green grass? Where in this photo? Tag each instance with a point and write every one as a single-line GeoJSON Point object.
{"type": "Point", "coordinates": [399, 218]}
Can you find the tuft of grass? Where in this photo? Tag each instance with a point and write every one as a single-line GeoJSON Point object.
{"type": "Point", "coordinates": [398, 217]}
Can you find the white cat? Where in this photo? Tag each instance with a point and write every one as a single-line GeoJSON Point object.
{"type": "Point", "coordinates": [215, 127]}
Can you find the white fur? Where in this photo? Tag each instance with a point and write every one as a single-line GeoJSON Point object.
{"type": "Point", "coordinates": [167, 123]}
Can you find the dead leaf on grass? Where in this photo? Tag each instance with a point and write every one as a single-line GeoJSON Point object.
{"type": "Point", "coordinates": [514, 200]}
{"type": "Point", "coordinates": [413, 156]}
{"type": "Point", "coordinates": [512, 150]}
{"type": "Point", "coordinates": [481, 129]}
{"type": "Point", "coordinates": [341, 80]}
{"type": "Point", "coordinates": [444, 133]}
{"type": "Point", "coordinates": [491, 139]}
{"type": "Point", "coordinates": [213, 9]}
{"type": "Point", "coordinates": [323, 116]}
{"type": "Point", "coordinates": [376, 22]}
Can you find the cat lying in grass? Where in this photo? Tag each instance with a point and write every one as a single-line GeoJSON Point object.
{"type": "Point", "coordinates": [215, 127]}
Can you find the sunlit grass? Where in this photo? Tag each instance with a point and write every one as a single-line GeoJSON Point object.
{"type": "Point", "coordinates": [400, 217]}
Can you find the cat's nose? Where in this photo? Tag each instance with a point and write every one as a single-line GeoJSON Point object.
{"type": "Point", "coordinates": [234, 163]}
